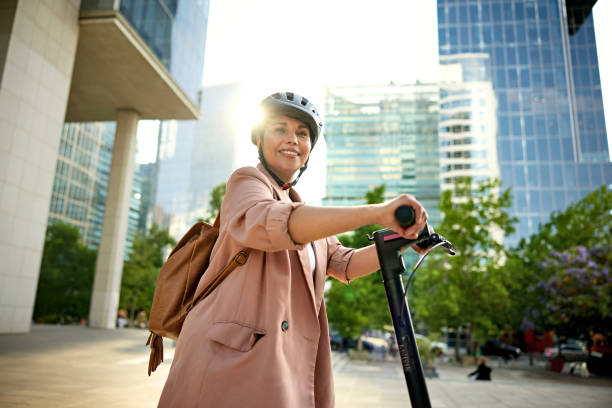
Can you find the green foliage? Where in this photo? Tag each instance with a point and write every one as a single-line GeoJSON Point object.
{"type": "Point", "coordinates": [216, 198]}
{"type": "Point", "coordinates": [141, 269]}
{"type": "Point", "coordinates": [425, 352]}
{"type": "Point", "coordinates": [66, 276]}
{"type": "Point", "coordinates": [576, 300]}
{"type": "Point", "coordinates": [554, 284]}
{"type": "Point", "coordinates": [587, 222]}
{"type": "Point", "coordinates": [362, 304]}
{"type": "Point", "coordinates": [468, 289]}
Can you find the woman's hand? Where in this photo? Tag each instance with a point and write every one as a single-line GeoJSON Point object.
{"type": "Point", "coordinates": [417, 248]}
{"type": "Point", "coordinates": [389, 220]}
{"type": "Point", "coordinates": [386, 216]}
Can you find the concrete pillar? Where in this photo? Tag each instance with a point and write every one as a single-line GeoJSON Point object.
{"type": "Point", "coordinates": [38, 42]}
{"type": "Point", "coordinates": [109, 265]}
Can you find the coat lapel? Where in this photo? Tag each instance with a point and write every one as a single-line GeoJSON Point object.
{"type": "Point", "coordinates": [302, 253]}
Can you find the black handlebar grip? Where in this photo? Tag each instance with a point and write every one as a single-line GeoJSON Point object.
{"type": "Point", "coordinates": [404, 216]}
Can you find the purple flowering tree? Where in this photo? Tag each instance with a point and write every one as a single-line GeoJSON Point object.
{"type": "Point", "coordinates": [575, 297]}
{"type": "Point", "coordinates": [560, 275]}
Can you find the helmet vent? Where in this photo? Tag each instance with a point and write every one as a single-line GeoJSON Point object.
{"type": "Point", "coordinates": [304, 102]}
{"type": "Point", "coordinates": [276, 96]}
{"type": "Point", "coordinates": [290, 96]}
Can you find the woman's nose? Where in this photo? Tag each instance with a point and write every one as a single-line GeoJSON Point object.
{"type": "Point", "coordinates": [292, 137]}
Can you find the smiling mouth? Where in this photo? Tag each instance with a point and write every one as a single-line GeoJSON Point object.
{"type": "Point", "coordinates": [289, 153]}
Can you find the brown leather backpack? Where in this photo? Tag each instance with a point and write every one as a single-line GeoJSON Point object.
{"type": "Point", "coordinates": [175, 290]}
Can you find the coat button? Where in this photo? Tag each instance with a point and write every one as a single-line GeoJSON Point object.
{"type": "Point", "coordinates": [284, 326]}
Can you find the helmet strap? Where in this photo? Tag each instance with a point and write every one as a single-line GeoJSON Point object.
{"type": "Point", "coordinates": [283, 185]}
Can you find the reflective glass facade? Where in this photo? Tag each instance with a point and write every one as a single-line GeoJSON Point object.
{"type": "Point", "coordinates": [81, 182]}
{"type": "Point", "coordinates": [382, 134]}
{"type": "Point", "coordinates": [551, 139]}
{"type": "Point", "coordinates": [468, 120]}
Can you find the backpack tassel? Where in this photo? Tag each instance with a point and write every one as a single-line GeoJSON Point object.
{"type": "Point", "coordinates": [157, 351]}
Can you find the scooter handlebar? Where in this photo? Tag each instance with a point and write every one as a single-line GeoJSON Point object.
{"type": "Point", "coordinates": [405, 216]}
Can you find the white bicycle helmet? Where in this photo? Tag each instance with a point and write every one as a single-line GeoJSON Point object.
{"type": "Point", "coordinates": [292, 105]}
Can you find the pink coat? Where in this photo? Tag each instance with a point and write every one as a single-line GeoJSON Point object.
{"type": "Point", "coordinates": [261, 338]}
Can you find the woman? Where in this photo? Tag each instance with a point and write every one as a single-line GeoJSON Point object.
{"type": "Point", "coordinates": [261, 338]}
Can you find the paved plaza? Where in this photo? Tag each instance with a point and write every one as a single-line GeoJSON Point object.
{"type": "Point", "coordinates": [68, 366]}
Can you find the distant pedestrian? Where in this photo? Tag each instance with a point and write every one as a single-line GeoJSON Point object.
{"type": "Point", "coordinates": [482, 372]}
{"type": "Point", "coordinates": [122, 318]}
{"type": "Point", "coordinates": [141, 319]}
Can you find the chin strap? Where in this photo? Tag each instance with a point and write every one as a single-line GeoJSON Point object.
{"type": "Point", "coordinates": [283, 185]}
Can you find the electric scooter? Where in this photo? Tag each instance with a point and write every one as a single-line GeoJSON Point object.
{"type": "Point", "coordinates": [388, 247]}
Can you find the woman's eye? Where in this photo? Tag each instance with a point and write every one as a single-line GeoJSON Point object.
{"type": "Point", "coordinates": [279, 130]}
{"type": "Point", "coordinates": [302, 135]}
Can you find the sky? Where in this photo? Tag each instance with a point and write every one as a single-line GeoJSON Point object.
{"type": "Point", "coordinates": [273, 45]}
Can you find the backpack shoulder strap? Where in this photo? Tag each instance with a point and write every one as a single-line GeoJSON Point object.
{"type": "Point", "coordinates": [239, 259]}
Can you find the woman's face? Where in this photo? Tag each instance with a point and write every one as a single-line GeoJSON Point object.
{"type": "Point", "coordinates": [286, 145]}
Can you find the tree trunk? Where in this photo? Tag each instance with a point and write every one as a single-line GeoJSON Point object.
{"type": "Point", "coordinates": [131, 322]}
{"type": "Point", "coordinates": [457, 340]}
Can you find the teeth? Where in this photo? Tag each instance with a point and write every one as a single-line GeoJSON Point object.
{"type": "Point", "coordinates": [289, 153]}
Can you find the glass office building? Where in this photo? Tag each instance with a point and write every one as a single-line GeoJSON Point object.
{"type": "Point", "coordinates": [382, 134]}
{"type": "Point", "coordinates": [81, 182]}
{"type": "Point", "coordinates": [551, 138]}
{"type": "Point", "coordinates": [91, 61]}
{"type": "Point", "coordinates": [175, 32]}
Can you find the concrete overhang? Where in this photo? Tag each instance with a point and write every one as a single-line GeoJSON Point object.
{"type": "Point", "coordinates": [114, 69]}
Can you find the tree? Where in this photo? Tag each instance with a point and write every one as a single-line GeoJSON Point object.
{"type": "Point", "coordinates": [216, 198]}
{"type": "Point", "coordinates": [468, 289]}
{"type": "Point", "coordinates": [555, 266]}
{"type": "Point", "coordinates": [66, 276]}
{"type": "Point", "coordinates": [587, 222]}
{"type": "Point", "coordinates": [141, 269]}
{"type": "Point", "coordinates": [362, 304]}
{"type": "Point", "coordinates": [575, 298]}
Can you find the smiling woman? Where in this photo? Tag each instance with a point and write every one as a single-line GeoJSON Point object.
{"type": "Point", "coordinates": [288, 130]}
{"type": "Point", "coordinates": [261, 338]}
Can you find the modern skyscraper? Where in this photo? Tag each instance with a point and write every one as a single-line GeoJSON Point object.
{"type": "Point", "coordinates": [81, 178]}
{"type": "Point", "coordinates": [81, 183]}
{"type": "Point", "coordinates": [551, 137]}
{"type": "Point", "coordinates": [383, 134]}
{"type": "Point", "coordinates": [84, 61]}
